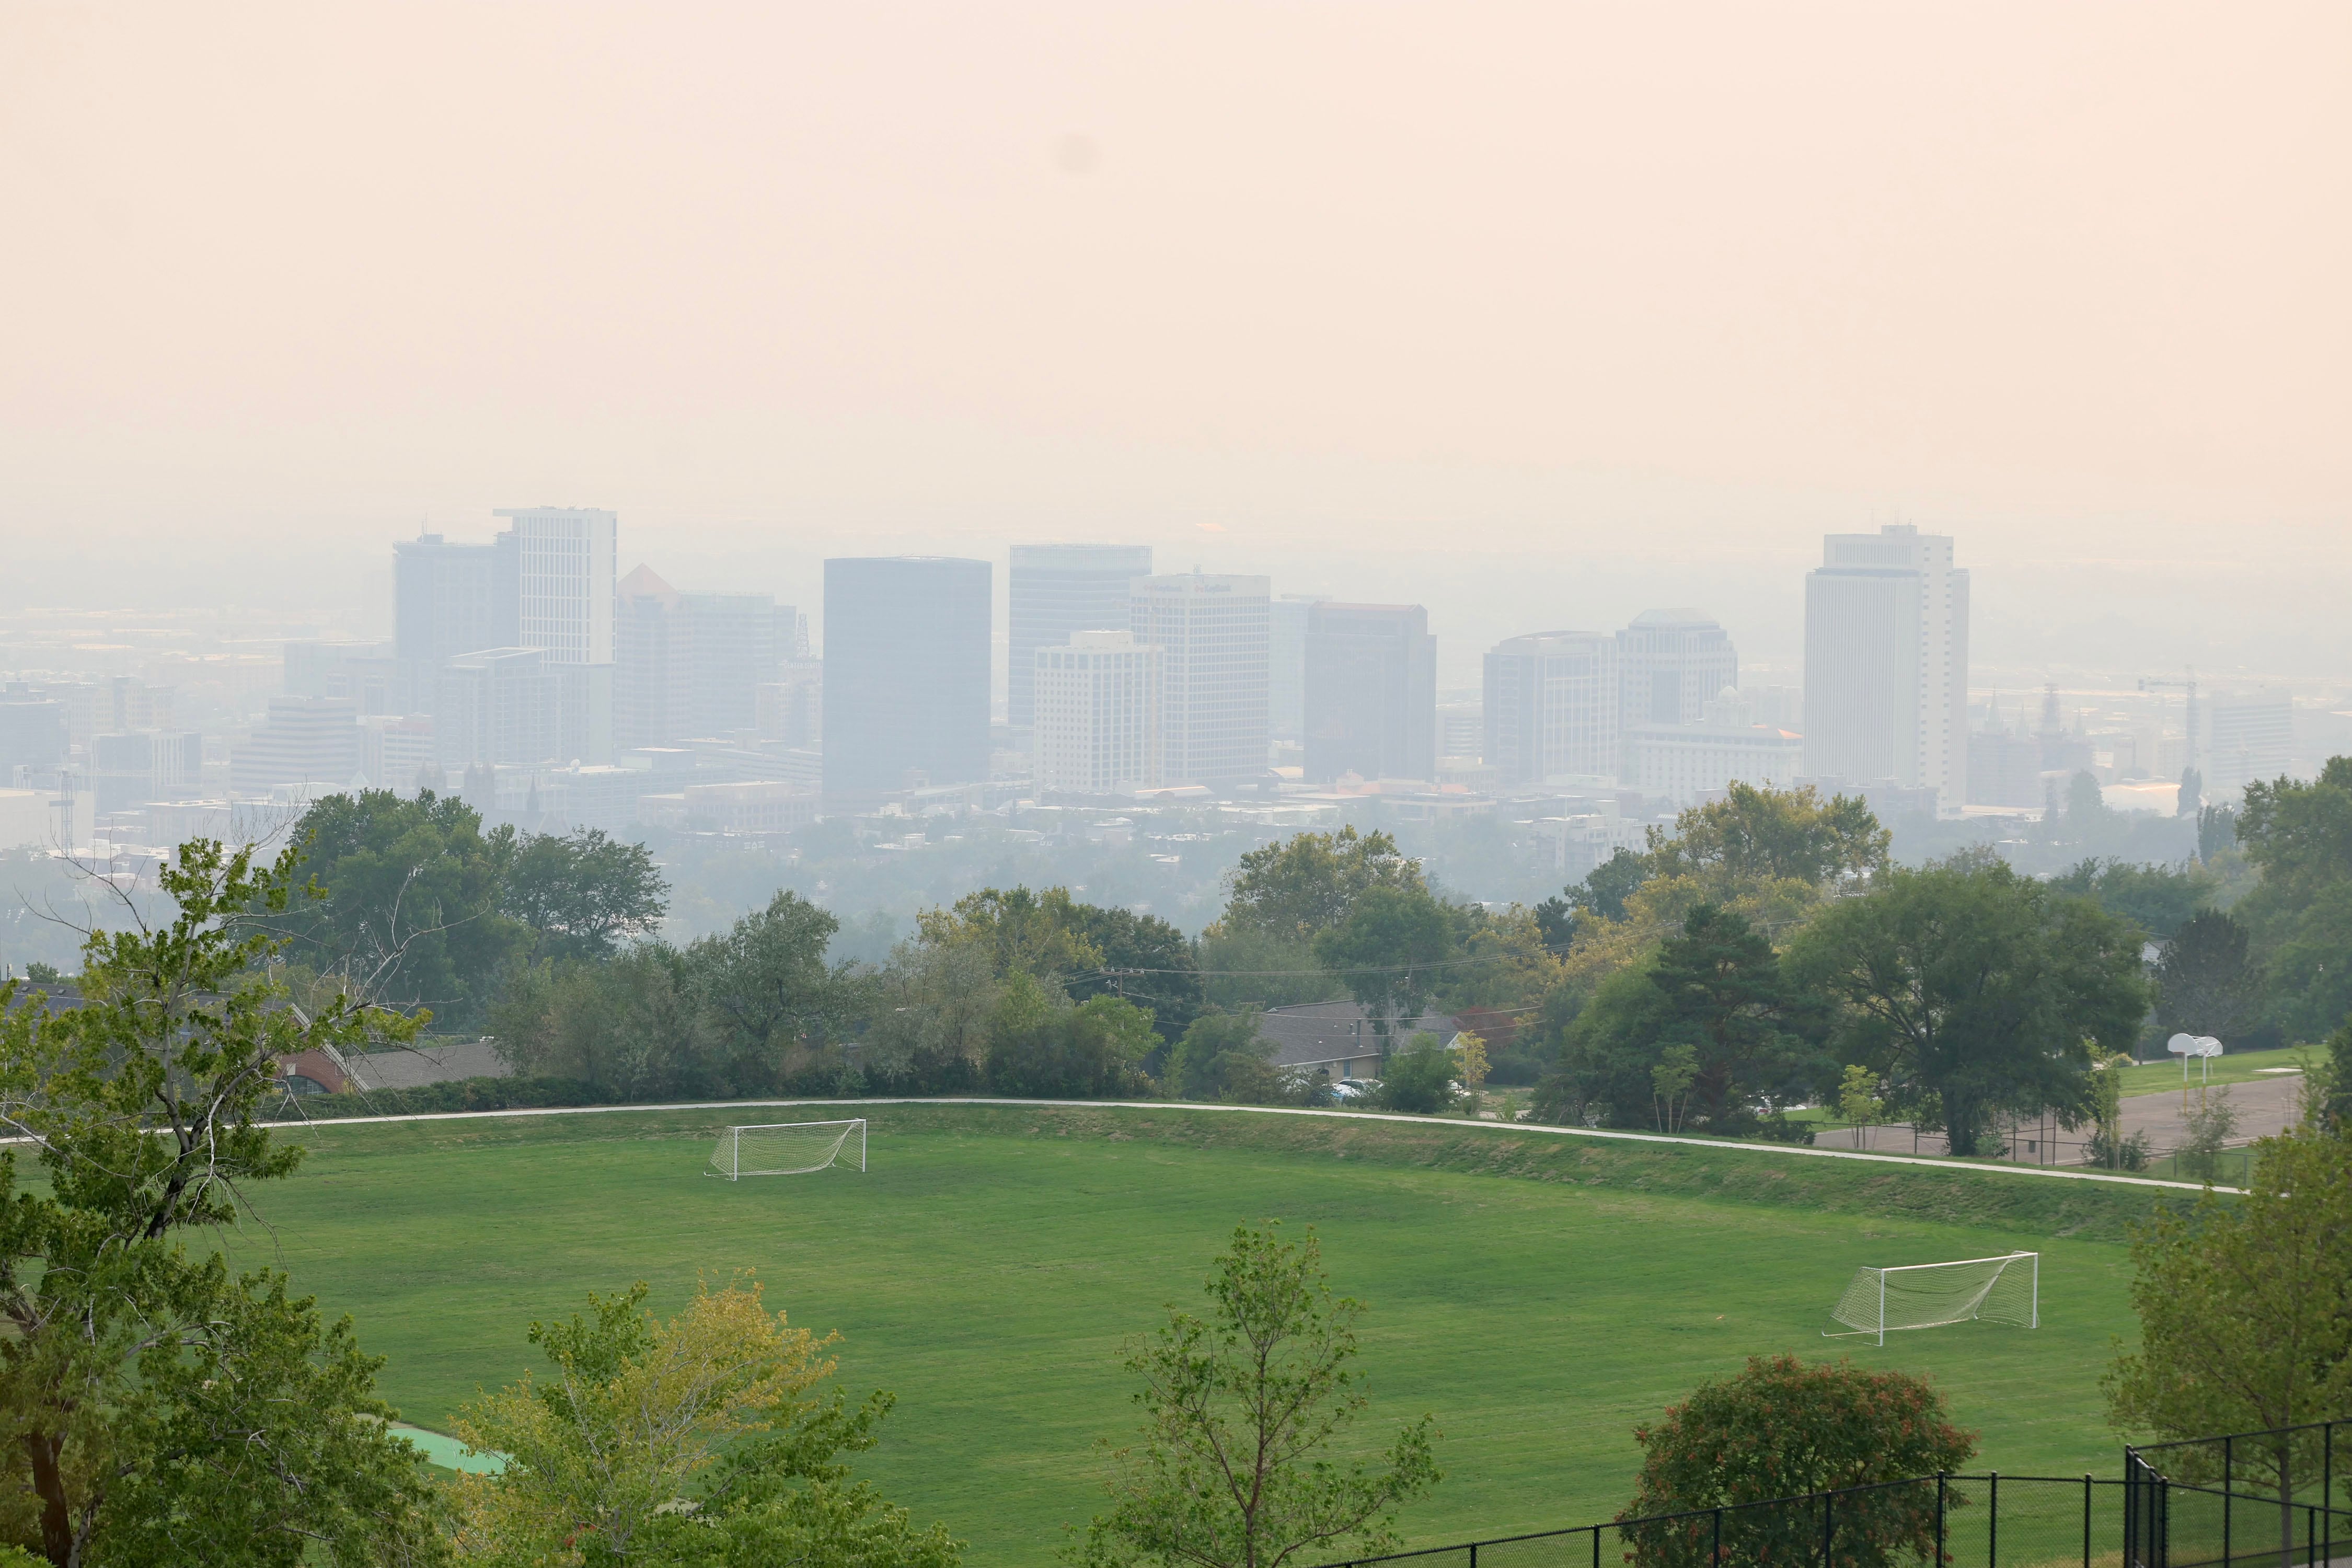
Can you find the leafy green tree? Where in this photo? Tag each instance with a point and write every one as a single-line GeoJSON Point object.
{"type": "Point", "coordinates": [1221, 1055]}
{"type": "Point", "coordinates": [1606, 885]}
{"type": "Point", "coordinates": [412, 911]}
{"type": "Point", "coordinates": [1725, 997]}
{"type": "Point", "coordinates": [1041, 1045]}
{"type": "Point", "coordinates": [1087, 950]}
{"type": "Point", "coordinates": [1419, 1080]}
{"type": "Point", "coordinates": [138, 1382]}
{"type": "Point", "coordinates": [1388, 952]}
{"type": "Point", "coordinates": [1858, 1102]}
{"type": "Point", "coordinates": [1038, 934]}
{"type": "Point", "coordinates": [2242, 1319]}
{"type": "Point", "coordinates": [768, 981]}
{"type": "Point", "coordinates": [2191, 796]}
{"type": "Point", "coordinates": [1312, 882]}
{"type": "Point", "coordinates": [2217, 831]}
{"type": "Point", "coordinates": [1974, 992]}
{"type": "Point", "coordinates": [1244, 1410]}
{"type": "Point", "coordinates": [2086, 803]}
{"type": "Point", "coordinates": [1762, 834]}
{"type": "Point", "coordinates": [928, 1020]}
{"type": "Point", "coordinates": [2334, 1110]}
{"type": "Point", "coordinates": [2160, 897]}
{"type": "Point", "coordinates": [583, 892]}
{"type": "Point", "coordinates": [631, 1026]}
{"type": "Point", "coordinates": [1670, 1085]}
{"type": "Point", "coordinates": [2205, 980]}
{"type": "Point", "coordinates": [702, 1440]}
{"type": "Point", "coordinates": [1781, 1428]}
{"type": "Point", "coordinates": [1255, 968]}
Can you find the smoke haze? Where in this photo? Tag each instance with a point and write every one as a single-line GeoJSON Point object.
{"type": "Point", "coordinates": [1536, 314]}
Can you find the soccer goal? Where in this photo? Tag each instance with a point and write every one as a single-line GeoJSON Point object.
{"type": "Point", "coordinates": [788, 1149]}
{"type": "Point", "coordinates": [2004, 1289]}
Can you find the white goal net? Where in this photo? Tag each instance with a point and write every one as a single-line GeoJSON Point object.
{"type": "Point", "coordinates": [788, 1149]}
{"type": "Point", "coordinates": [2004, 1289]}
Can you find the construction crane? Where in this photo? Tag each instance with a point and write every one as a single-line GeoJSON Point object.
{"type": "Point", "coordinates": [2189, 685]}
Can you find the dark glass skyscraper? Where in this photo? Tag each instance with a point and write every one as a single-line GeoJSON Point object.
{"type": "Point", "coordinates": [1370, 703]}
{"type": "Point", "coordinates": [1054, 590]}
{"type": "Point", "coordinates": [906, 673]}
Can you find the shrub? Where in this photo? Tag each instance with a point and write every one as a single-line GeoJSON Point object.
{"type": "Point", "coordinates": [1418, 1079]}
{"type": "Point", "coordinates": [1779, 1429]}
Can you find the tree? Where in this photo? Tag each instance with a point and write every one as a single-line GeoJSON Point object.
{"type": "Point", "coordinates": [1859, 1104]}
{"type": "Point", "coordinates": [1311, 882]}
{"type": "Point", "coordinates": [1470, 1060]}
{"type": "Point", "coordinates": [583, 892]}
{"type": "Point", "coordinates": [1387, 953]}
{"type": "Point", "coordinates": [2205, 983]}
{"type": "Point", "coordinates": [2160, 897]}
{"type": "Point", "coordinates": [1039, 1044]}
{"type": "Point", "coordinates": [2335, 1108]}
{"type": "Point", "coordinates": [2240, 1306]}
{"type": "Point", "coordinates": [1783, 1428]}
{"type": "Point", "coordinates": [1087, 950]}
{"type": "Point", "coordinates": [1670, 1085]}
{"type": "Point", "coordinates": [1222, 1055]}
{"type": "Point", "coordinates": [1243, 1410]}
{"type": "Point", "coordinates": [2191, 796]}
{"type": "Point", "coordinates": [1606, 885]}
{"type": "Point", "coordinates": [1974, 992]}
{"type": "Point", "coordinates": [1037, 934]}
{"type": "Point", "coordinates": [2086, 803]}
{"type": "Point", "coordinates": [1765, 834]}
{"type": "Point", "coordinates": [1724, 996]}
{"type": "Point", "coordinates": [137, 1383]}
{"type": "Point", "coordinates": [700, 1440]}
{"type": "Point", "coordinates": [767, 979]}
{"type": "Point", "coordinates": [1419, 1080]}
{"type": "Point", "coordinates": [411, 907]}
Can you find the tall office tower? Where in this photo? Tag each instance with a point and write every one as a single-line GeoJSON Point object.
{"type": "Point", "coordinates": [500, 705]}
{"type": "Point", "coordinates": [1099, 726]}
{"type": "Point", "coordinates": [1886, 663]}
{"type": "Point", "coordinates": [564, 568]}
{"type": "Point", "coordinates": [35, 734]}
{"type": "Point", "coordinates": [448, 599]}
{"type": "Point", "coordinates": [689, 665]}
{"type": "Point", "coordinates": [1371, 692]}
{"type": "Point", "coordinates": [1551, 706]}
{"type": "Point", "coordinates": [304, 741]}
{"type": "Point", "coordinates": [652, 663]}
{"type": "Point", "coordinates": [906, 673]}
{"type": "Point", "coordinates": [564, 580]}
{"type": "Point", "coordinates": [1213, 700]}
{"type": "Point", "coordinates": [2247, 738]}
{"type": "Point", "coordinates": [363, 671]}
{"type": "Point", "coordinates": [1054, 590]}
{"type": "Point", "coordinates": [1671, 664]}
{"type": "Point", "coordinates": [1286, 672]}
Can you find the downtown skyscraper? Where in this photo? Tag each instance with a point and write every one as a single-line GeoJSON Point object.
{"type": "Point", "coordinates": [1886, 664]}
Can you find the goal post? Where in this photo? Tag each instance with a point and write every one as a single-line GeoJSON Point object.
{"type": "Point", "coordinates": [1880, 1301]}
{"type": "Point", "coordinates": [788, 1149]}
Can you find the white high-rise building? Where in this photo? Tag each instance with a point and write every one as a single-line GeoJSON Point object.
{"type": "Point", "coordinates": [1552, 702]}
{"type": "Point", "coordinates": [565, 567]}
{"type": "Point", "coordinates": [1099, 726]}
{"type": "Point", "coordinates": [2247, 738]}
{"type": "Point", "coordinates": [1054, 590]}
{"type": "Point", "coordinates": [1214, 697]}
{"type": "Point", "coordinates": [1886, 664]}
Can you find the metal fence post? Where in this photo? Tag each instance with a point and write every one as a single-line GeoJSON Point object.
{"type": "Point", "coordinates": [1992, 1521]}
{"type": "Point", "coordinates": [1829, 1501]}
{"type": "Point", "coordinates": [1715, 1561]}
{"type": "Point", "coordinates": [1940, 1521]}
{"type": "Point", "coordinates": [2086, 1519]}
{"type": "Point", "coordinates": [1473, 1554]}
{"type": "Point", "coordinates": [1596, 1545]}
{"type": "Point", "coordinates": [2229, 1485]}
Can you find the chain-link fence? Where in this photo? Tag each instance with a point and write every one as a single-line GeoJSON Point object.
{"type": "Point", "coordinates": [2252, 1499]}
{"type": "Point", "coordinates": [1958, 1521]}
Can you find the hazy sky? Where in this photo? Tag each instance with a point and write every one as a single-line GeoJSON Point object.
{"type": "Point", "coordinates": [1537, 314]}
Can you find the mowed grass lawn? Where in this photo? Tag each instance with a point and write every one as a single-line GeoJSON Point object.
{"type": "Point", "coordinates": [988, 1266]}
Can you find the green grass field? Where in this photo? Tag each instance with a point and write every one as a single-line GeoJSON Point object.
{"type": "Point", "coordinates": [1541, 1296]}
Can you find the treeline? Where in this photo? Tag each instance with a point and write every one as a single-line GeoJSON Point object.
{"type": "Point", "coordinates": [1764, 952]}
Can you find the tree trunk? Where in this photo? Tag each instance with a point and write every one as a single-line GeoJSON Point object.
{"type": "Point", "coordinates": [47, 1451]}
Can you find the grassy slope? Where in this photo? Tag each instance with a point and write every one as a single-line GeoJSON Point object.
{"type": "Point", "coordinates": [989, 1264]}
